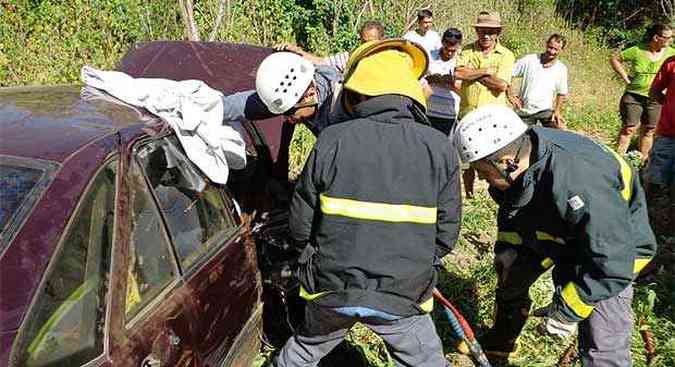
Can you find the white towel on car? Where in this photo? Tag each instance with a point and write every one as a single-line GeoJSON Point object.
{"type": "Point", "coordinates": [194, 111]}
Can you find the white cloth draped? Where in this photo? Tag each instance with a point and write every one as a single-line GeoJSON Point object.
{"type": "Point", "coordinates": [194, 111]}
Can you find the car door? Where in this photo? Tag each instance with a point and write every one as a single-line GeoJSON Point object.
{"type": "Point", "coordinates": [217, 264]}
{"type": "Point", "coordinates": [153, 320]}
{"type": "Point", "coordinates": [66, 324]}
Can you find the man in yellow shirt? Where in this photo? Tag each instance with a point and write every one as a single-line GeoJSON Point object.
{"type": "Point", "coordinates": [484, 68]}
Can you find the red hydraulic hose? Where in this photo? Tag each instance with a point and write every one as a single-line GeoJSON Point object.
{"type": "Point", "coordinates": [462, 321]}
{"type": "Point", "coordinates": [468, 337]}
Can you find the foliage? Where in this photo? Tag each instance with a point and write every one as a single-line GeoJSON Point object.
{"type": "Point", "coordinates": [47, 41]}
{"type": "Point", "coordinates": [622, 20]}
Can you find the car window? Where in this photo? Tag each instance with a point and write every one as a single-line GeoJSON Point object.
{"type": "Point", "coordinates": [151, 266]}
{"type": "Point", "coordinates": [16, 183]}
{"type": "Point", "coordinates": [21, 182]}
{"type": "Point", "coordinates": [66, 324]}
{"type": "Point", "coordinates": [192, 207]}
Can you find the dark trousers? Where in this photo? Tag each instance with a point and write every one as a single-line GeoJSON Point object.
{"type": "Point", "coordinates": [442, 125]}
{"type": "Point", "coordinates": [411, 341]}
{"type": "Point", "coordinates": [542, 118]}
{"type": "Point", "coordinates": [604, 337]}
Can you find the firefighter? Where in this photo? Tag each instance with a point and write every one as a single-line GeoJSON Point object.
{"type": "Point", "coordinates": [287, 84]}
{"type": "Point", "coordinates": [378, 205]}
{"type": "Point", "coordinates": [564, 202]}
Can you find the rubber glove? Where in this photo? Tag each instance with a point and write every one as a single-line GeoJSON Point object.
{"type": "Point", "coordinates": [553, 324]}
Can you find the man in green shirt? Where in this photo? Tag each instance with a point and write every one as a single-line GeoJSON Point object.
{"type": "Point", "coordinates": [636, 107]}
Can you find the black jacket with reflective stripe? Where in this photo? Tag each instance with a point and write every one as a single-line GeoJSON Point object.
{"type": "Point", "coordinates": [581, 207]}
{"type": "Point", "coordinates": [379, 203]}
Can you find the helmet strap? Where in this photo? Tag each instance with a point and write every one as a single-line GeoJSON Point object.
{"type": "Point", "coordinates": [505, 173]}
{"type": "Point", "coordinates": [511, 166]}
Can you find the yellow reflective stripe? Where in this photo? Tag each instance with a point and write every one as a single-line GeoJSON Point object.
{"type": "Point", "coordinates": [39, 343]}
{"type": "Point", "coordinates": [543, 236]}
{"type": "Point", "coordinates": [640, 264]}
{"type": "Point", "coordinates": [428, 305]}
{"type": "Point", "coordinates": [546, 263]}
{"type": "Point", "coordinates": [309, 296]}
{"type": "Point", "coordinates": [571, 297]}
{"type": "Point", "coordinates": [626, 176]}
{"type": "Point", "coordinates": [510, 237]}
{"type": "Point", "coordinates": [133, 292]}
{"type": "Point", "coordinates": [377, 211]}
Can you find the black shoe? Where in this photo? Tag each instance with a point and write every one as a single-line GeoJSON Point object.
{"type": "Point", "coordinates": [496, 346]}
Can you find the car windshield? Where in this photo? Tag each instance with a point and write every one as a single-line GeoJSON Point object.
{"type": "Point", "coordinates": [21, 182]}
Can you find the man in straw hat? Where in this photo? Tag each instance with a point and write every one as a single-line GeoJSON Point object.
{"type": "Point", "coordinates": [377, 206]}
{"type": "Point", "coordinates": [485, 69]}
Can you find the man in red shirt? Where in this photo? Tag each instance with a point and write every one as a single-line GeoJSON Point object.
{"type": "Point", "coordinates": [661, 168]}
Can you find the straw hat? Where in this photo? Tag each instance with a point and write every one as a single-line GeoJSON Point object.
{"type": "Point", "coordinates": [488, 20]}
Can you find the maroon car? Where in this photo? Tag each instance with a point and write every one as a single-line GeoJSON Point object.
{"type": "Point", "coordinates": [115, 249]}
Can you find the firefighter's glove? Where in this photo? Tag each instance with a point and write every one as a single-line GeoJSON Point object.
{"type": "Point", "coordinates": [553, 324]}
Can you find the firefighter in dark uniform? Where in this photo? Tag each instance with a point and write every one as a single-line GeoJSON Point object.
{"type": "Point", "coordinates": [564, 202]}
{"type": "Point", "coordinates": [378, 205]}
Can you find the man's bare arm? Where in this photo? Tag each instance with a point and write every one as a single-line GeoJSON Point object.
{"type": "Point", "coordinates": [513, 98]}
{"type": "Point", "coordinates": [316, 60]}
{"type": "Point", "coordinates": [557, 117]}
{"type": "Point", "coordinates": [494, 84]}
{"type": "Point", "coordinates": [617, 64]}
{"type": "Point", "coordinates": [467, 73]}
{"type": "Point", "coordinates": [658, 95]}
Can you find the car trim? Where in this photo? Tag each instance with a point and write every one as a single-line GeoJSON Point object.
{"type": "Point", "coordinates": [226, 237]}
{"type": "Point", "coordinates": [148, 309]}
{"type": "Point", "coordinates": [219, 358]}
{"type": "Point", "coordinates": [22, 328]}
{"type": "Point", "coordinates": [14, 224]}
{"type": "Point", "coordinates": [177, 279]}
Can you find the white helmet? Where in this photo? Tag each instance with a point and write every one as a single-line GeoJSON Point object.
{"type": "Point", "coordinates": [485, 130]}
{"type": "Point", "coordinates": [282, 79]}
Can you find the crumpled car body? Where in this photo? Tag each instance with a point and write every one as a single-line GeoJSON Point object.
{"type": "Point", "coordinates": [115, 249]}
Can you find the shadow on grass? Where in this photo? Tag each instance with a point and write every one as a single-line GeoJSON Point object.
{"type": "Point", "coordinates": [344, 355]}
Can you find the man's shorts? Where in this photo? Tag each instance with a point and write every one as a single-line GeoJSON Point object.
{"type": "Point", "coordinates": [661, 167]}
{"type": "Point", "coordinates": [639, 110]}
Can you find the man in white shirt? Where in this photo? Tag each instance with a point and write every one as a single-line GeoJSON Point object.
{"type": "Point", "coordinates": [443, 103]}
{"type": "Point", "coordinates": [428, 39]}
{"type": "Point", "coordinates": [543, 89]}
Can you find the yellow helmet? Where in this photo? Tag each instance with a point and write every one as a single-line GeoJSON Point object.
{"type": "Point", "coordinates": [392, 66]}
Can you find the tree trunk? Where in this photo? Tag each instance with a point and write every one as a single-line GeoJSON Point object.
{"type": "Point", "coordinates": [191, 30]}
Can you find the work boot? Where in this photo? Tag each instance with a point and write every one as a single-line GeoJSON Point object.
{"type": "Point", "coordinates": [500, 340]}
{"type": "Point", "coordinates": [495, 344]}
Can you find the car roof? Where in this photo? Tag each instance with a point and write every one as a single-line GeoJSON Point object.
{"type": "Point", "coordinates": [54, 122]}
{"type": "Point", "coordinates": [227, 67]}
